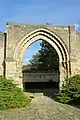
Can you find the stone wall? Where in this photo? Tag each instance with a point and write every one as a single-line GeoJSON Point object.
{"type": "Point", "coordinates": [41, 77]}
{"type": "Point", "coordinates": [75, 53]}
{"type": "Point", "coordinates": [1, 52]}
{"type": "Point", "coordinates": [15, 34]}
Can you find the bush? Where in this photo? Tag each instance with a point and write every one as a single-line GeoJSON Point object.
{"type": "Point", "coordinates": [70, 93]}
{"type": "Point", "coordinates": [11, 96]}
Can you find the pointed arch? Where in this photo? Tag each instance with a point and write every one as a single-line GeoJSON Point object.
{"type": "Point", "coordinates": [46, 35]}
{"type": "Point", "coordinates": [54, 40]}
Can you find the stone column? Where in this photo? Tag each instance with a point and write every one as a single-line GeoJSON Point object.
{"type": "Point", "coordinates": [63, 75]}
{"type": "Point", "coordinates": [14, 72]}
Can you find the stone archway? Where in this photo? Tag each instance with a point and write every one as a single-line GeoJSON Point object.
{"type": "Point", "coordinates": [52, 39]}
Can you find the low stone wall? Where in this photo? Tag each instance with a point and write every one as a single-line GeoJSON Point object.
{"type": "Point", "coordinates": [41, 77]}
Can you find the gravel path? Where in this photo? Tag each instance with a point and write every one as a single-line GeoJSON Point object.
{"type": "Point", "coordinates": [42, 108]}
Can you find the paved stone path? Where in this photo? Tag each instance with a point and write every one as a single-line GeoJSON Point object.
{"type": "Point", "coordinates": [42, 108]}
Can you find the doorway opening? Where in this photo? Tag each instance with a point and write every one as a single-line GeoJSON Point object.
{"type": "Point", "coordinates": [40, 68]}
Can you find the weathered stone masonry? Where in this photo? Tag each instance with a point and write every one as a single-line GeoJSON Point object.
{"type": "Point", "coordinates": [19, 37]}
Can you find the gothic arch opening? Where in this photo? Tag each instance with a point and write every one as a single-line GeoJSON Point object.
{"type": "Point", "coordinates": [53, 40]}
{"type": "Point", "coordinates": [42, 73]}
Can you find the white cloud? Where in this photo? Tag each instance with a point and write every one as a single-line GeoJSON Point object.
{"type": "Point", "coordinates": [77, 27]}
{"type": "Point", "coordinates": [25, 61]}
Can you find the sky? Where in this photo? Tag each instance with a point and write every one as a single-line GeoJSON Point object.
{"type": "Point", "coordinates": [57, 12]}
{"type": "Point", "coordinates": [32, 50]}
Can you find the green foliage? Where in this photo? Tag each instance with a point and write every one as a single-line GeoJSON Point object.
{"type": "Point", "coordinates": [71, 91]}
{"type": "Point", "coordinates": [46, 58]}
{"type": "Point", "coordinates": [35, 60]}
{"type": "Point", "coordinates": [11, 96]}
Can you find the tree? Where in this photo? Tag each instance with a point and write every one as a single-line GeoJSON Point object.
{"type": "Point", "coordinates": [35, 60]}
{"type": "Point", "coordinates": [46, 58]}
{"type": "Point", "coordinates": [70, 93]}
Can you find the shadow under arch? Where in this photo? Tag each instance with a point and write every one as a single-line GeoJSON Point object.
{"type": "Point", "coordinates": [53, 40]}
